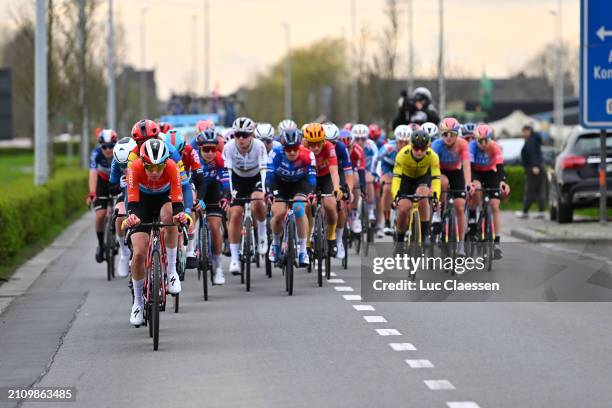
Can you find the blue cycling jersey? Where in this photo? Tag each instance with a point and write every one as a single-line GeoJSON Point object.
{"type": "Point", "coordinates": [99, 162]}
{"type": "Point", "coordinates": [386, 156]}
{"type": "Point", "coordinates": [280, 168]}
{"type": "Point", "coordinates": [371, 152]}
{"type": "Point", "coordinates": [344, 162]}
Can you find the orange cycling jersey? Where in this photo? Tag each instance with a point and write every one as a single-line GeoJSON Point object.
{"type": "Point", "coordinates": [138, 181]}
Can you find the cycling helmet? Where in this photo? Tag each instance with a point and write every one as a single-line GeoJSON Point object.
{"type": "Point", "coordinates": [304, 126]}
{"type": "Point", "coordinates": [228, 134]}
{"type": "Point", "coordinates": [314, 133]}
{"type": "Point", "coordinates": [291, 137]}
{"type": "Point", "coordinates": [420, 139]}
{"type": "Point", "coordinates": [154, 151]}
{"type": "Point", "coordinates": [431, 129]}
{"type": "Point", "coordinates": [264, 132]}
{"type": "Point", "coordinates": [375, 131]}
{"type": "Point", "coordinates": [207, 136]}
{"type": "Point", "coordinates": [414, 126]}
{"type": "Point", "coordinates": [176, 139]}
{"type": "Point", "coordinates": [122, 150]}
{"type": "Point", "coordinates": [286, 124]}
{"type": "Point", "coordinates": [243, 125]}
{"type": "Point", "coordinates": [347, 137]}
{"type": "Point", "coordinates": [204, 124]}
{"type": "Point", "coordinates": [331, 132]}
{"type": "Point", "coordinates": [483, 131]}
{"type": "Point", "coordinates": [468, 129]}
{"type": "Point", "coordinates": [164, 127]}
{"type": "Point", "coordinates": [450, 125]}
{"type": "Point", "coordinates": [144, 129]}
{"type": "Point", "coordinates": [422, 93]}
{"type": "Point", "coordinates": [403, 133]}
{"type": "Point", "coordinates": [360, 131]}
{"type": "Point", "coordinates": [107, 136]}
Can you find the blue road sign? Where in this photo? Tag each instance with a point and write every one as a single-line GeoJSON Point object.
{"type": "Point", "coordinates": [596, 63]}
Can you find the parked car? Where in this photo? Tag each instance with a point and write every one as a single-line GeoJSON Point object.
{"type": "Point", "coordinates": [511, 150]}
{"type": "Point", "coordinates": [574, 182]}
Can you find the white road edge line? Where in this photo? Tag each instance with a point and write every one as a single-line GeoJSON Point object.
{"type": "Point", "coordinates": [335, 281]}
{"type": "Point", "coordinates": [462, 404]}
{"type": "Point", "coordinates": [438, 385]}
{"type": "Point", "coordinates": [344, 289]}
{"type": "Point", "coordinates": [420, 363]}
{"type": "Point", "coordinates": [402, 346]}
{"type": "Point", "coordinates": [388, 332]}
{"type": "Point", "coordinates": [363, 308]}
{"type": "Point", "coordinates": [351, 297]}
{"type": "Point", "coordinates": [375, 319]}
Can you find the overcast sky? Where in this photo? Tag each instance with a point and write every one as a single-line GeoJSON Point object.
{"type": "Point", "coordinates": [246, 35]}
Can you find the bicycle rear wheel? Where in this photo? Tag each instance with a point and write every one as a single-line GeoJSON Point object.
{"type": "Point", "coordinates": [489, 240]}
{"type": "Point", "coordinates": [109, 250]}
{"type": "Point", "coordinates": [203, 250]}
{"type": "Point", "coordinates": [290, 257]}
{"type": "Point", "coordinates": [415, 240]}
{"type": "Point", "coordinates": [345, 244]}
{"type": "Point", "coordinates": [318, 252]}
{"type": "Point", "coordinates": [156, 273]}
{"type": "Point", "coordinates": [268, 264]}
{"type": "Point", "coordinates": [248, 248]}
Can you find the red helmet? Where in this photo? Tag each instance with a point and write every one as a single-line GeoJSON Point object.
{"type": "Point", "coordinates": [107, 136]}
{"type": "Point", "coordinates": [203, 125]}
{"type": "Point", "coordinates": [164, 127]}
{"type": "Point", "coordinates": [144, 129]}
{"type": "Point", "coordinates": [375, 131]}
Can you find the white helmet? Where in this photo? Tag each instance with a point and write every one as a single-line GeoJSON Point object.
{"type": "Point", "coordinates": [122, 149]}
{"type": "Point", "coordinates": [422, 93]}
{"type": "Point", "coordinates": [403, 133]}
{"type": "Point", "coordinates": [431, 129]}
{"type": "Point", "coordinates": [331, 132]}
{"type": "Point", "coordinates": [264, 131]}
{"type": "Point", "coordinates": [154, 151]}
{"type": "Point", "coordinates": [360, 131]}
{"type": "Point", "coordinates": [243, 125]}
{"type": "Point", "coordinates": [286, 124]}
{"type": "Point", "coordinates": [228, 134]}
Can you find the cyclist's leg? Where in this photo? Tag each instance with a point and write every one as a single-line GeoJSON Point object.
{"type": "Point", "coordinates": [171, 241]}
{"type": "Point", "coordinates": [124, 251]}
{"type": "Point", "coordinates": [370, 196]}
{"type": "Point", "coordinates": [456, 182]}
{"type": "Point", "coordinates": [190, 252]}
{"type": "Point", "coordinates": [354, 210]}
{"type": "Point", "coordinates": [259, 216]}
{"type": "Point", "coordinates": [386, 198]}
{"type": "Point", "coordinates": [140, 243]}
{"type": "Point", "coordinates": [299, 210]}
{"type": "Point", "coordinates": [214, 226]}
{"type": "Point", "coordinates": [424, 211]}
{"type": "Point", "coordinates": [100, 205]}
{"type": "Point", "coordinates": [408, 186]}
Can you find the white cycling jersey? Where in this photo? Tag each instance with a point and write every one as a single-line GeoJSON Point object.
{"type": "Point", "coordinates": [249, 164]}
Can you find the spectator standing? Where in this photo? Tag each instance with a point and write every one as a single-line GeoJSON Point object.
{"type": "Point", "coordinates": [416, 109]}
{"type": "Point", "coordinates": [531, 158]}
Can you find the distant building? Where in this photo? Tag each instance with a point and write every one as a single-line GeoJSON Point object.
{"type": "Point", "coordinates": [129, 96]}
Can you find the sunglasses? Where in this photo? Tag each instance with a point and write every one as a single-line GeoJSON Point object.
{"type": "Point", "coordinates": [449, 134]}
{"type": "Point", "coordinates": [317, 144]}
{"type": "Point", "coordinates": [483, 141]}
{"type": "Point", "coordinates": [418, 149]}
{"type": "Point", "coordinates": [291, 149]}
{"type": "Point", "coordinates": [107, 146]}
{"type": "Point", "coordinates": [242, 135]}
{"type": "Point", "coordinates": [209, 149]}
{"type": "Point", "coordinates": [156, 168]}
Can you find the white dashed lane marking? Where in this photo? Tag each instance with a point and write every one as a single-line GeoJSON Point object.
{"type": "Point", "coordinates": [351, 297]}
{"type": "Point", "coordinates": [438, 385]}
{"type": "Point", "coordinates": [335, 280]}
{"type": "Point", "coordinates": [344, 289]}
{"type": "Point", "coordinates": [332, 274]}
{"type": "Point", "coordinates": [462, 404]}
{"type": "Point", "coordinates": [419, 363]}
{"type": "Point", "coordinates": [402, 346]}
{"type": "Point", "coordinates": [363, 308]}
{"type": "Point", "coordinates": [388, 332]}
{"type": "Point", "coordinates": [375, 319]}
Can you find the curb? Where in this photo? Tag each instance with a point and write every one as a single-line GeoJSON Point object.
{"type": "Point", "coordinates": [29, 272]}
{"type": "Point", "coordinates": [533, 236]}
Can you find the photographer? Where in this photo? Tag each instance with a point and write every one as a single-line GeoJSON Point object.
{"type": "Point", "coordinates": [417, 109]}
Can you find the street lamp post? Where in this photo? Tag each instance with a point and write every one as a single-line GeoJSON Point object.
{"type": "Point", "coordinates": [353, 62]}
{"type": "Point", "coordinates": [41, 163]}
{"type": "Point", "coordinates": [288, 107]}
{"type": "Point", "coordinates": [558, 89]}
{"type": "Point", "coordinates": [441, 81]}
{"type": "Point", "coordinates": [206, 48]}
{"type": "Point", "coordinates": [143, 86]}
{"type": "Point", "coordinates": [410, 81]}
{"type": "Point", "coordinates": [110, 105]}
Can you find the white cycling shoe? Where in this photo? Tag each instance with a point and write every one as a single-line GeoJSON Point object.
{"type": "Point", "coordinates": [137, 316]}
{"type": "Point", "coordinates": [124, 266]}
{"type": "Point", "coordinates": [262, 247]}
{"type": "Point", "coordinates": [356, 226]}
{"type": "Point", "coordinates": [218, 277]}
{"type": "Point", "coordinates": [234, 267]}
{"type": "Point", "coordinates": [174, 284]}
{"type": "Point", "coordinates": [380, 234]}
{"type": "Point", "coordinates": [341, 252]}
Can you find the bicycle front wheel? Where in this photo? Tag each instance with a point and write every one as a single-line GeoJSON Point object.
{"type": "Point", "coordinates": [319, 247]}
{"type": "Point", "coordinates": [203, 250]}
{"type": "Point", "coordinates": [290, 257]}
{"type": "Point", "coordinates": [248, 249]}
{"type": "Point", "coordinates": [109, 250]}
{"type": "Point", "coordinates": [155, 275]}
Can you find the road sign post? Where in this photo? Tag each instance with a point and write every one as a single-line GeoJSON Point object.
{"type": "Point", "coordinates": [596, 80]}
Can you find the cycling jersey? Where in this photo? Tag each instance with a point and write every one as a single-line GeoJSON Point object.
{"type": "Point", "coordinates": [281, 168]}
{"type": "Point", "coordinates": [406, 166]}
{"type": "Point", "coordinates": [386, 156]}
{"type": "Point", "coordinates": [249, 164]}
{"type": "Point", "coordinates": [358, 157]}
{"type": "Point", "coordinates": [99, 162]}
{"type": "Point", "coordinates": [451, 158]}
{"type": "Point", "coordinates": [487, 159]}
{"type": "Point", "coordinates": [191, 160]}
{"type": "Point", "coordinates": [214, 171]}
{"type": "Point", "coordinates": [371, 152]}
{"type": "Point", "coordinates": [343, 157]}
{"type": "Point", "coordinates": [117, 173]}
{"type": "Point", "coordinates": [138, 181]}
{"type": "Point", "coordinates": [325, 158]}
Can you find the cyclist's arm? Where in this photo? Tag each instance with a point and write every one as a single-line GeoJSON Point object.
{"type": "Point", "coordinates": [133, 191]}
{"type": "Point", "coordinates": [397, 175]}
{"type": "Point", "coordinates": [271, 170]}
{"type": "Point", "coordinates": [312, 172]}
{"type": "Point", "coordinates": [93, 180]}
{"type": "Point", "coordinates": [465, 162]}
{"type": "Point", "coordinates": [263, 163]}
{"type": "Point", "coordinates": [333, 171]}
{"type": "Point", "coordinates": [176, 190]}
{"type": "Point", "coordinates": [362, 179]}
{"type": "Point", "coordinates": [436, 186]}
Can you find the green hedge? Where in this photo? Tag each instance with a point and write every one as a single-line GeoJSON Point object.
{"type": "Point", "coordinates": [27, 215]}
{"type": "Point", "coordinates": [515, 176]}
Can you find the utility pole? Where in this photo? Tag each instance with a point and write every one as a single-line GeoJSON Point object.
{"type": "Point", "coordinates": [354, 73]}
{"type": "Point", "coordinates": [143, 84]}
{"type": "Point", "coordinates": [559, 69]}
{"type": "Point", "coordinates": [194, 61]}
{"type": "Point", "coordinates": [441, 84]}
{"type": "Point", "coordinates": [288, 107]}
{"type": "Point", "coordinates": [110, 105]}
{"type": "Point", "coordinates": [41, 162]}
{"type": "Point", "coordinates": [83, 87]}
{"type": "Point", "coordinates": [206, 48]}
{"type": "Point", "coordinates": [410, 49]}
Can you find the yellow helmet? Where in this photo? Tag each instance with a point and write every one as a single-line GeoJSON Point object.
{"type": "Point", "coordinates": [314, 133]}
{"type": "Point", "coordinates": [304, 126]}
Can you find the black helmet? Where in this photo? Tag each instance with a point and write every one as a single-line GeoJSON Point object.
{"type": "Point", "coordinates": [291, 137]}
{"type": "Point", "coordinates": [420, 139]}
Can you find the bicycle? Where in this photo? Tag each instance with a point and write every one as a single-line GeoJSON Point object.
{"type": "Point", "coordinates": [480, 238]}
{"type": "Point", "coordinates": [367, 229]}
{"type": "Point", "coordinates": [268, 264]}
{"type": "Point", "coordinates": [248, 249]}
{"type": "Point", "coordinates": [204, 252]}
{"type": "Point", "coordinates": [289, 248]}
{"type": "Point", "coordinates": [155, 282]}
{"type": "Point", "coordinates": [448, 236]}
{"type": "Point", "coordinates": [320, 250]}
{"type": "Point", "coordinates": [415, 243]}
{"type": "Point", "coordinates": [111, 246]}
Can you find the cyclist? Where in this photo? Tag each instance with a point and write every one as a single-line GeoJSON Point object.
{"type": "Point", "coordinates": [265, 133]}
{"type": "Point", "coordinates": [488, 172]}
{"type": "Point", "coordinates": [386, 157]}
{"type": "Point", "coordinates": [193, 170]}
{"type": "Point", "coordinates": [361, 134]}
{"type": "Point", "coordinates": [416, 171]}
{"type": "Point", "coordinates": [291, 176]}
{"type": "Point", "coordinates": [164, 127]}
{"type": "Point", "coordinates": [358, 160]}
{"type": "Point", "coordinates": [328, 180]}
{"type": "Point", "coordinates": [216, 185]}
{"type": "Point", "coordinates": [246, 160]}
{"type": "Point", "coordinates": [467, 131]}
{"type": "Point", "coordinates": [377, 135]}
{"type": "Point", "coordinates": [284, 125]}
{"type": "Point", "coordinates": [154, 189]}
{"type": "Point", "coordinates": [117, 186]}
{"type": "Point", "coordinates": [432, 130]}
{"type": "Point", "coordinates": [99, 170]}
{"type": "Point", "coordinates": [454, 158]}
{"type": "Point", "coordinates": [332, 135]}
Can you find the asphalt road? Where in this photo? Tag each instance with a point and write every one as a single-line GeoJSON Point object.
{"type": "Point", "coordinates": [321, 347]}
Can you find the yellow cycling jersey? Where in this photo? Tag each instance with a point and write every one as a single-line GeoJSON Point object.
{"type": "Point", "coordinates": [407, 166]}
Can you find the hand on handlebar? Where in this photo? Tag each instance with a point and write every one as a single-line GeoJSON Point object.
{"type": "Point", "coordinates": [338, 194]}
{"type": "Point", "coordinates": [505, 188]}
{"type": "Point", "coordinates": [130, 222]}
{"type": "Point", "coordinates": [182, 218]}
{"type": "Point", "coordinates": [311, 198]}
{"type": "Point", "coordinates": [90, 197]}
